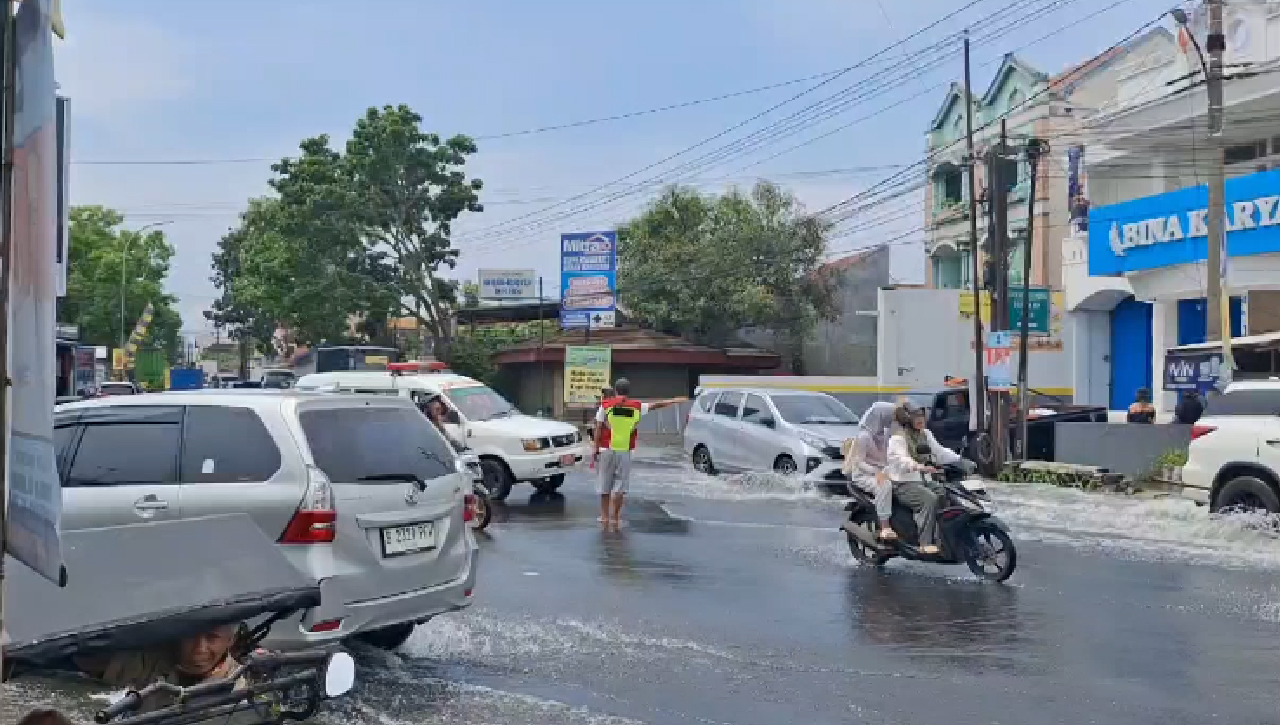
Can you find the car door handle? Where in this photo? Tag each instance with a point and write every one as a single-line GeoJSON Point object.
{"type": "Point", "coordinates": [1273, 442]}
{"type": "Point", "coordinates": [150, 503]}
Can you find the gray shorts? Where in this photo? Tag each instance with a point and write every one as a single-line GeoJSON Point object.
{"type": "Point", "coordinates": [615, 472]}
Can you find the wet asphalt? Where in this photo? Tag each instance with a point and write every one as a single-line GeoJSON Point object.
{"type": "Point", "coordinates": [735, 600]}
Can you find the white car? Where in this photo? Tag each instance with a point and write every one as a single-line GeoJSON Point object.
{"type": "Point", "coordinates": [792, 432]}
{"type": "Point", "coordinates": [512, 446]}
{"type": "Point", "coordinates": [1233, 461]}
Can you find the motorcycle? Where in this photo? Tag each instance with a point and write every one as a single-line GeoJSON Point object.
{"type": "Point", "coordinates": [482, 505]}
{"type": "Point", "coordinates": [968, 533]}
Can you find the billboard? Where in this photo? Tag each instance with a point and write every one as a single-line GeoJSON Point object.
{"type": "Point", "coordinates": [588, 279]}
{"type": "Point", "coordinates": [508, 284]}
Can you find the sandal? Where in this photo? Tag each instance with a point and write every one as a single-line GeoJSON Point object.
{"type": "Point", "coordinates": [930, 550]}
{"type": "Point", "coordinates": [888, 534]}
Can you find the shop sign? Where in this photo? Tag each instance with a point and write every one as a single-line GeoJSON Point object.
{"type": "Point", "coordinates": [1173, 228]}
{"type": "Point", "coordinates": [1192, 370]}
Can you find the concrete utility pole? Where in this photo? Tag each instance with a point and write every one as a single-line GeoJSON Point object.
{"type": "Point", "coordinates": [998, 204]}
{"type": "Point", "coordinates": [1218, 313]}
{"type": "Point", "coordinates": [1035, 147]}
{"type": "Point", "coordinates": [977, 386]}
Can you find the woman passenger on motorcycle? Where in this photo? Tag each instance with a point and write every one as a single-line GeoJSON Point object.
{"type": "Point", "coordinates": [914, 451]}
{"type": "Point", "coordinates": [865, 457]}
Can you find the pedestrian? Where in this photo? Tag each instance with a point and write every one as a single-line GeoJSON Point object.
{"type": "Point", "coordinates": [617, 422]}
{"type": "Point", "coordinates": [1190, 408]}
{"type": "Point", "coordinates": [1142, 411]}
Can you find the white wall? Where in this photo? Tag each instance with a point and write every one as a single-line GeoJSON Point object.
{"type": "Point", "coordinates": [923, 338]}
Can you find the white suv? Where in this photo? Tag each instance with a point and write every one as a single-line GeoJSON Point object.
{"type": "Point", "coordinates": [1234, 457]}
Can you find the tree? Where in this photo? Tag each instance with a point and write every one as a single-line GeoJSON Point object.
{"type": "Point", "coordinates": [96, 251]}
{"type": "Point", "coordinates": [244, 319]}
{"type": "Point", "coordinates": [409, 189]}
{"type": "Point", "coordinates": [470, 295]}
{"type": "Point", "coordinates": [706, 266]}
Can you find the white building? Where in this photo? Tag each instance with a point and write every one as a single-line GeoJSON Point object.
{"type": "Point", "coordinates": [1135, 274]}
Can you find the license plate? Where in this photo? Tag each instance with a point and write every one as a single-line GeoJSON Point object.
{"type": "Point", "coordinates": [398, 540]}
{"type": "Point", "coordinates": [568, 459]}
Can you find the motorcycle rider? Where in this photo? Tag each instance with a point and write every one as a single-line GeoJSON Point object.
{"type": "Point", "coordinates": [907, 461]}
{"type": "Point", "coordinates": [865, 457]}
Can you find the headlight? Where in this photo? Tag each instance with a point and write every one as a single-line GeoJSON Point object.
{"type": "Point", "coordinates": [532, 444]}
{"type": "Point", "coordinates": [812, 440]}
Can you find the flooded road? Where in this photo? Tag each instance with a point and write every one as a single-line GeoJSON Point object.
{"type": "Point", "coordinates": [735, 600]}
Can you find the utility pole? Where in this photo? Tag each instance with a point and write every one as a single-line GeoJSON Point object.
{"type": "Point", "coordinates": [1035, 147]}
{"type": "Point", "coordinates": [998, 199]}
{"type": "Point", "coordinates": [977, 386]}
{"type": "Point", "coordinates": [1218, 314]}
{"type": "Point", "coordinates": [10, 80]}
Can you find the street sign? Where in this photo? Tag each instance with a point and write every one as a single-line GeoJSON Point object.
{"type": "Point", "coordinates": [1000, 355]}
{"type": "Point", "coordinates": [588, 276]}
{"type": "Point", "coordinates": [508, 284]}
{"type": "Point", "coordinates": [1039, 309]}
{"type": "Point", "coordinates": [601, 320]}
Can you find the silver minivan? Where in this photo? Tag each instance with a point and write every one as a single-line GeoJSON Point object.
{"type": "Point", "coordinates": [792, 432]}
{"type": "Point", "coordinates": [361, 492]}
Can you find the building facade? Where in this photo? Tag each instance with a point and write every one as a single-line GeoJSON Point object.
{"type": "Point", "coordinates": [1136, 273]}
{"type": "Point", "coordinates": [1031, 104]}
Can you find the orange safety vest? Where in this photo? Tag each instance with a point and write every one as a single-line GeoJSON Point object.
{"type": "Point", "coordinates": [606, 435]}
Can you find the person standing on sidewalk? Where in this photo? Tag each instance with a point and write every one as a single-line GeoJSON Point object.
{"type": "Point", "coordinates": [617, 422]}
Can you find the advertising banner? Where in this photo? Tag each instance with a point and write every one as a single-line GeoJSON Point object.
{"type": "Point", "coordinates": [34, 493]}
{"type": "Point", "coordinates": [588, 278]}
{"type": "Point", "coordinates": [508, 284]}
{"type": "Point", "coordinates": [1198, 370]}
{"type": "Point", "coordinates": [586, 373]}
{"type": "Point", "coordinates": [1001, 356]}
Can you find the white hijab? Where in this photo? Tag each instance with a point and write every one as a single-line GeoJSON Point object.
{"type": "Point", "coordinates": [876, 422]}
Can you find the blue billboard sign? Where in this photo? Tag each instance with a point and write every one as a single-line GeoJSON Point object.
{"type": "Point", "coordinates": [588, 278]}
{"type": "Point", "coordinates": [1192, 370]}
{"type": "Point", "coordinates": [1173, 228]}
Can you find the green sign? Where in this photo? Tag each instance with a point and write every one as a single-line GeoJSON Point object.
{"type": "Point", "coordinates": [586, 373]}
{"type": "Point", "coordinates": [1039, 308]}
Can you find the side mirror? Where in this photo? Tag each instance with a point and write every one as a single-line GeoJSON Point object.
{"type": "Point", "coordinates": [451, 416]}
{"type": "Point", "coordinates": [339, 675]}
{"type": "Point", "coordinates": [768, 422]}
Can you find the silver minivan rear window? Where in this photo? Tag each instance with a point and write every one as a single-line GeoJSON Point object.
{"type": "Point", "coordinates": [368, 443]}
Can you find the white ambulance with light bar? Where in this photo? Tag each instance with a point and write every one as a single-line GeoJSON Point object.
{"type": "Point", "coordinates": [512, 446]}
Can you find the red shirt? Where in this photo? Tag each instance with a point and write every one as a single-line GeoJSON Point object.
{"type": "Point", "coordinates": [605, 435]}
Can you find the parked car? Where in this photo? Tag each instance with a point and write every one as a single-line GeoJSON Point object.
{"type": "Point", "coordinates": [1233, 461]}
{"type": "Point", "coordinates": [512, 446]}
{"type": "Point", "coordinates": [789, 432]}
{"type": "Point", "coordinates": [362, 493]}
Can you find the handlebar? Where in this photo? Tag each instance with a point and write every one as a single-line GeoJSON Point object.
{"type": "Point", "coordinates": [131, 701]}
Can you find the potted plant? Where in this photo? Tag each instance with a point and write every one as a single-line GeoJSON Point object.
{"type": "Point", "coordinates": [1169, 465]}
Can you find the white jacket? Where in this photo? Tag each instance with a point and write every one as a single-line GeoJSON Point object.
{"type": "Point", "coordinates": [903, 468]}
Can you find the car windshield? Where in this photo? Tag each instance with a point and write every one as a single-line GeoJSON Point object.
{"type": "Point", "coordinates": [117, 389]}
{"type": "Point", "coordinates": [813, 409]}
{"type": "Point", "coordinates": [920, 400]}
{"type": "Point", "coordinates": [479, 402]}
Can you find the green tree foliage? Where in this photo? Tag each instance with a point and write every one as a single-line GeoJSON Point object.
{"type": "Point", "coordinates": [473, 357]}
{"type": "Point", "coordinates": [97, 248]}
{"type": "Point", "coordinates": [470, 295]}
{"type": "Point", "coordinates": [234, 310]}
{"type": "Point", "coordinates": [706, 266]}
{"type": "Point", "coordinates": [360, 232]}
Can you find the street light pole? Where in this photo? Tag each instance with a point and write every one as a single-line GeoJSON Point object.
{"type": "Point", "coordinates": [124, 259]}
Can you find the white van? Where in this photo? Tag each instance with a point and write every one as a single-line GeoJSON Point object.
{"type": "Point", "coordinates": [511, 446]}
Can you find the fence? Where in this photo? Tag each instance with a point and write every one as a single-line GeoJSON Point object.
{"type": "Point", "coordinates": [1128, 448]}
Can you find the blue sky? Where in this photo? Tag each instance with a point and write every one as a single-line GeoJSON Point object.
{"type": "Point", "coordinates": [159, 80]}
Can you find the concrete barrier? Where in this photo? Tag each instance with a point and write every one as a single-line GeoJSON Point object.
{"type": "Point", "coordinates": [1128, 448]}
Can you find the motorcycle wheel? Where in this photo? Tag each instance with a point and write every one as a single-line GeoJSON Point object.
{"type": "Point", "coordinates": [863, 553]}
{"type": "Point", "coordinates": [482, 512]}
{"type": "Point", "coordinates": [992, 555]}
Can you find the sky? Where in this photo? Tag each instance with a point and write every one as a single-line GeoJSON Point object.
{"type": "Point", "coordinates": [179, 108]}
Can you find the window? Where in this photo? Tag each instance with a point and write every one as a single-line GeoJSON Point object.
{"type": "Point", "coordinates": [117, 454]}
{"type": "Point", "coordinates": [226, 445]}
{"type": "Point", "coordinates": [952, 187]}
{"type": "Point", "coordinates": [353, 444]}
{"type": "Point", "coordinates": [704, 402]}
{"type": "Point", "coordinates": [1255, 401]}
{"type": "Point", "coordinates": [813, 409]}
{"type": "Point", "coordinates": [755, 409]}
{"type": "Point", "coordinates": [1244, 152]}
{"type": "Point", "coordinates": [727, 405]}
{"type": "Point", "coordinates": [63, 438]}
{"type": "Point", "coordinates": [479, 402]}
{"type": "Point", "coordinates": [1015, 99]}
{"type": "Point", "coordinates": [1017, 248]}
{"type": "Point", "coordinates": [956, 405]}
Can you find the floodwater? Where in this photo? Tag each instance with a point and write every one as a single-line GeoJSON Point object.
{"type": "Point", "coordinates": [735, 600]}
